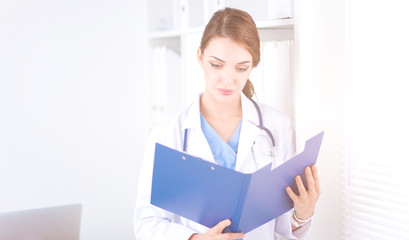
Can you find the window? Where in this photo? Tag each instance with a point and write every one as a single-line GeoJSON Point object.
{"type": "Point", "coordinates": [376, 194]}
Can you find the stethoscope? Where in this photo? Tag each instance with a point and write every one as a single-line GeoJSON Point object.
{"type": "Point", "coordinates": [269, 153]}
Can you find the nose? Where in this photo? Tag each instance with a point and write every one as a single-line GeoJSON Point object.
{"type": "Point", "coordinates": [228, 76]}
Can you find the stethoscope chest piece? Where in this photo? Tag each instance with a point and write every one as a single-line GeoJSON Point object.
{"type": "Point", "coordinates": [269, 153]}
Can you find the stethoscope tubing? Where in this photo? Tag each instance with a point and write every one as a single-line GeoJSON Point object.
{"type": "Point", "coordinates": [261, 123]}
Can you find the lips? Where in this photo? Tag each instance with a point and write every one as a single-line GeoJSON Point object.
{"type": "Point", "coordinates": [225, 92]}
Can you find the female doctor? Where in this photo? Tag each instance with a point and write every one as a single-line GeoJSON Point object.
{"type": "Point", "coordinates": [225, 126]}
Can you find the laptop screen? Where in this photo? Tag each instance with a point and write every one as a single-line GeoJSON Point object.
{"type": "Point", "coordinates": [52, 223]}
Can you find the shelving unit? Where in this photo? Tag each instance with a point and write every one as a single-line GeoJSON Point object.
{"type": "Point", "coordinates": [273, 24]}
{"type": "Point", "coordinates": [175, 35]}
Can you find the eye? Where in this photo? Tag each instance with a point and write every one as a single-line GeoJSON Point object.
{"type": "Point", "coordinates": [216, 66]}
{"type": "Point", "coordinates": [242, 69]}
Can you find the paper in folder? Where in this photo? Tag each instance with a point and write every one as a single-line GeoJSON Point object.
{"type": "Point", "coordinates": [207, 193]}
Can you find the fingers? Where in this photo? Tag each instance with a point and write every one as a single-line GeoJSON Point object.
{"type": "Point", "coordinates": [313, 184]}
{"type": "Point", "coordinates": [218, 229]}
{"type": "Point", "coordinates": [291, 194]}
{"type": "Point", "coordinates": [310, 179]}
{"type": "Point", "coordinates": [304, 203]}
{"type": "Point", "coordinates": [231, 236]}
{"type": "Point", "coordinates": [300, 185]}
{"type": "Point", "coordinates": [221, 226]}
{"type": "Point", "coordinates": [316, 178]}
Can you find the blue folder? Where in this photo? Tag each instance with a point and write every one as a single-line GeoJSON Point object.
{"type": "Point", "coordinates": [207, 193]}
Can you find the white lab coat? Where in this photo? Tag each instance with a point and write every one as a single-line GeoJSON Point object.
{"type": "Point", "coordinates": [153, 223]}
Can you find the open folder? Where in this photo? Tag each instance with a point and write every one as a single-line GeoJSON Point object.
{"type": "Point", "coordinates": [207, 193]}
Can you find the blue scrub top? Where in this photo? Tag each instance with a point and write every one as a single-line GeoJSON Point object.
{"type": "Point", "coordinates": [224, 154]}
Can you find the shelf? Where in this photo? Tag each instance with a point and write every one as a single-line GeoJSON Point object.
{"type": "Point", "coordinates": [287, 23]}
{"type": "Point", "coordinates": [284, 23]}
{"type": "Point", "coordinates": [164, 34]}
{"type": "Point", "coordinates": [177, 27]}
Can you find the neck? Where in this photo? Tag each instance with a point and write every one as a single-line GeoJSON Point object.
{"type": "Point", "coordinates": [210, 107]}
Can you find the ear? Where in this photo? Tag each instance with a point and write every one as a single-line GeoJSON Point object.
{"type": "Point", "coordinates": [200, 57]}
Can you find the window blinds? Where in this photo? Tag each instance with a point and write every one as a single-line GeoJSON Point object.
{"type": "Point", "coordinates": [376, 193]}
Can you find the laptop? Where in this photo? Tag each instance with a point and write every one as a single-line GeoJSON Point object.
{"type": "Point", "coordinates": [52, 223]}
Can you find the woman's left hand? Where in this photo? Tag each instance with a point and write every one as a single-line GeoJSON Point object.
{"type": "Point", "coordinates": [304, 204]}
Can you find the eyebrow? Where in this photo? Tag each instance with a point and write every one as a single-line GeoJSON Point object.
{"type": "Point", "coordinates": [224, 61]}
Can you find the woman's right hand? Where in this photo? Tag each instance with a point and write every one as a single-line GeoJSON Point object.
{"type": "Point", "coordinates": [215, 233]}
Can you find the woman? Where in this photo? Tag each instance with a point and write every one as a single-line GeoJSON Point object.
{"type": "Point", "coordinates": [221, 126]}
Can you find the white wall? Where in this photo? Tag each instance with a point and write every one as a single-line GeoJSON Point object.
{"type": "Point", "coordinates": [320, 89]}
{"type": "Point", "coordinates": [72, 123]}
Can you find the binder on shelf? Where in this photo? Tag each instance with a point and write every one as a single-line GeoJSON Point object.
{"type": "Point", "coordinates": [176, 15]}
{"type": "Point", "coordinates": [210, 7]}
{"type": "Point", "coordinates": [279, 9]}
{"type": "Point", "coordinates": [191, 14]}
{"type": "Point", "coordinates": [278, 88]}
{"type": "Point", "coordinates": [261, 11]}
{"type": "Point", "coordinates": [272, 77]}
{"type": "Point", "coordinates": [160, 19]}
{"type": "Point", "coordinates": [165, 87]}
{"type": "Point", "coordinates": [208, 193]}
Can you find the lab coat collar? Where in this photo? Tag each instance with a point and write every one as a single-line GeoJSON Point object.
{"type": "Point", "coordinates": [249, 111]}
{"type": "Point", "coordinates": [249, 130]}
{"type": "Point", "coordinates": [248, 133]}
{"type": "Point", "coordinates": [197, 144]}
{"type": "Point", "coordinates": [192, 119]}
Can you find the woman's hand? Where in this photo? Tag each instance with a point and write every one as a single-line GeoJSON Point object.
{"type": "Point", "coordinates": [304, 204]}
{"type": "Point", "coordinates": [215, 233]}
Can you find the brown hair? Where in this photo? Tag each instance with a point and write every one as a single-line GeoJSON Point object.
{"type": "Point", "coordinates": [239, 26]}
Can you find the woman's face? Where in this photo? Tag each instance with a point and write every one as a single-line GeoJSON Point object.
{"type": "Point", "coordinates": [227, 66]}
